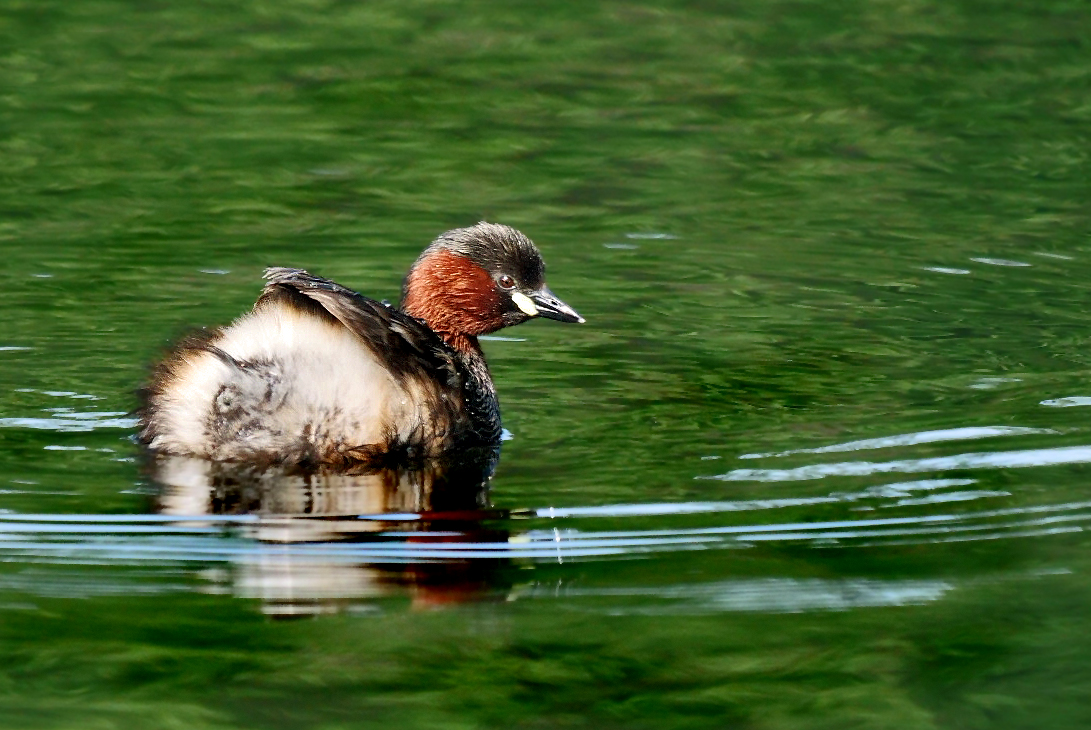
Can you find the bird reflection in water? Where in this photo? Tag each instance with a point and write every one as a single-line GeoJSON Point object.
{"type": "Point", "coordinates": [305, 524]}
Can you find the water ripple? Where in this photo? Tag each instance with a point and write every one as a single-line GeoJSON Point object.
{"type": "Point", "coordinates": [139, 539]}
{"type": "Point", "coordinates": [912, 439]}
{"type": "Point", "coordinates": [1069, 402]}
{"type": "Point", "coordinates": [73, 422]}
{"type": "Point", "coordinates": [981, 460]}
{"type": "Point", "coordinates": [767, 595]}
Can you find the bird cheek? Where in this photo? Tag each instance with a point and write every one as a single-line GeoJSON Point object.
{"type": "Point", "coordinates": [513, 317]}
{"type": "Point", "coordinates": [524, 303]}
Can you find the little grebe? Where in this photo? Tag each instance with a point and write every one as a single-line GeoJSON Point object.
{"type": "Point", "coordinates": [317, 374]}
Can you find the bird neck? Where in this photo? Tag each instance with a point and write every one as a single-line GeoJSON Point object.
{"type": "Point", "coordinates": [455, 297]}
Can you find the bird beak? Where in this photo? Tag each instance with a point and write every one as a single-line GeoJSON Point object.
{"type": "Point", "coordinates": [547, 305]}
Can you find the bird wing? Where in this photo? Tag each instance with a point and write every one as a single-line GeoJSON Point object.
{"type": "Point", "coordinates": [404, 344]}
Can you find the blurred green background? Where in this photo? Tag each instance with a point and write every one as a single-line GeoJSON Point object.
{"type": "Point", "coordinates": [789, 225]}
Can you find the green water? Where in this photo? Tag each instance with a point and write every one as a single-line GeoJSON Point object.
{"type": "Point", "coordinates": [790, 225]}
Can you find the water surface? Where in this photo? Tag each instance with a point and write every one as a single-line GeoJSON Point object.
{"type": "Point", "coordinates": [818, 459]}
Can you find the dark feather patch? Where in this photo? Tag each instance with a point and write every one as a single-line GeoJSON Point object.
{"type": "Point", "coordinates": [403, 344]}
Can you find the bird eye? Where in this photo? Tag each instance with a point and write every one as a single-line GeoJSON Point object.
{"type": "Point", "coordinates": [506, 282]}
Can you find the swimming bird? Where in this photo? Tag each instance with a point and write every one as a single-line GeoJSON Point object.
{"type": "Point", "coordinates": [319, 375]}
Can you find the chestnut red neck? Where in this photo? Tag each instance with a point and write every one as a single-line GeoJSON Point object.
{"type": "Point", "coordinates": [455, 297]}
